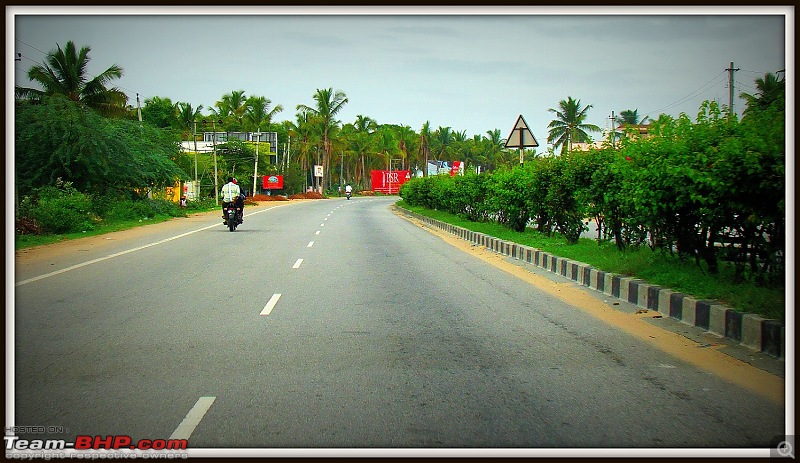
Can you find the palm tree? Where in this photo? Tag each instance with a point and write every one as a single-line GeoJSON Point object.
{"type": "Point", "coordinates": [257, 112]}
{"type": "Point", "coordinates": [405, 137]}
{"type": "Point", "coordinates": [329, 103]}
{"type": "Point", "coordinates": [386, 144]}
{"type": "Point", "coordinates": [770, 90]}
{"type": "Point", "coordinates": [188, 116]}
{"type": "Point", "coordinates": [231, 106]}
{"type": "Point", "coordinates": [425, 146]}
{"type": "Point", "coordinates": [630, 117]}
{"type": "Point", "coordinates": [65, 75]}
{"type": "Point", "coordinates": [569, 127]}
{"type": "Point", "coordinates": [496, 147]}
{"type": "Point", "coordinates": [362, 141]}
{"type": "Point", "coordinates": [442, 143]}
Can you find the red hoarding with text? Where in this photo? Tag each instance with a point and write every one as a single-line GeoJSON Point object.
{"type": "Point", "coordinates": [273, 182]}
{"type": "Point", "coordinates": [389, 181]}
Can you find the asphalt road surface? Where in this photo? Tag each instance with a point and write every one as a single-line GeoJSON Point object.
{"type": "Point", "coordinates": [337, 324]}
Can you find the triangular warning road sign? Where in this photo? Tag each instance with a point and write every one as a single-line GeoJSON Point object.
{"type": "Point", "coordinates": [521, 136]}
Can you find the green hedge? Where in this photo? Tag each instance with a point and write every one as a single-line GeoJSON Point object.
{"type": "Point", "coordinates": [708, 190]}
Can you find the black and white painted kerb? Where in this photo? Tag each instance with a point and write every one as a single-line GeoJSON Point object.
{"type": "Point", "coordinates": [763, 335]}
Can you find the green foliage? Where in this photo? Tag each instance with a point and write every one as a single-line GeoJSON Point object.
{"type": "Point", "coordinates": [58, 138]}
{"type": "Point", "coordinates": [709, 190]}
{"type": "Point", "coordinates": [508, 198]}
{"type": "Point", "coordinates": [59, 209]}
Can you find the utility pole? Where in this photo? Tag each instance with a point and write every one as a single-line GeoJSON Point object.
{"type": "Point", "coordinates": [255, 168]}
{"type": "Point", "coordinates": [613, 134]}
{"type": "Point", "coordinates": [214, 141]}
{"type": "Point", "coordinates": [730, 70]}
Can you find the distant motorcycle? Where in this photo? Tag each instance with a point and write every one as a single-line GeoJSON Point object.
{"type": "Point", "coordinates": [348, 194]}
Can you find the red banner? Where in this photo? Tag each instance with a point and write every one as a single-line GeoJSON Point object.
{"type": "Point", "coordinates": [388, 182]}
{"type": "Point", "coordinates": [273, 182]}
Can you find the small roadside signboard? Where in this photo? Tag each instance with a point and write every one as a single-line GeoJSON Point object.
{"type": "Point", "coordinates": [521, 137]}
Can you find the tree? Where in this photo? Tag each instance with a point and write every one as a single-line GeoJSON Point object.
{"type": "Point", "coordinates": [257, 112]}
{"type": "Point", "coordinates": [569, 127]}
{"type": "Point", "coordinates": [187, 116]}
{"type": "Point", "coordinates": [425, 146]}
{"type": "Point", "coordinates": [65, 75]}
{"type": "Point", "coordinates": [496, 148]}
{"type": "Point", "coordinates": [770, 91]}
{"type": "Point", "coordinates": [442, 143]}
{"type": "Point", "coordinates": [630, 117]}
{"type": "Point", "coordinates": [60, 138]}
{"type": "Point", "coordinates": [386, 144]}
{"type": "Point", "coordinates": [329, 103]}
{"type": "Point", "coordinates": [231, 107]}
{"type": "Point", "coordinates": [361, 143]}
{"type": "Point", "coordinates": [160, 112]}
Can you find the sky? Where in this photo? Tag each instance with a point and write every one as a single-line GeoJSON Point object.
{"type": "Point", "coordinates": [472, 69]}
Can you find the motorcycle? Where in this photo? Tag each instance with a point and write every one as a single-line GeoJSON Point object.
{"type": "Point", "coordinates": [233, 216]}
{"type": "Point", "coordinates": [348, 194]}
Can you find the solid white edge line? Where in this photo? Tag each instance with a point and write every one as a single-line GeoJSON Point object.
{"type": "Point", "coordinates": [192, 419]}
{"type": "Point", "coordinates": [297, 264]}
{"type": "Point", "coordinates": [122, 253]}
{"type": "Point", "coordinates": [271, 304]}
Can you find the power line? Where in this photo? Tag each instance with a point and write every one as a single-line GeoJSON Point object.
{"type": "Point", "coordinates": [711, 83]}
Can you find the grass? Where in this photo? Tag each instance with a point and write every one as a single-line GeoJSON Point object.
{"type": "Point", "coordinates": [106, 226]}
{"type": "Point", "coordinates": [654, 267]}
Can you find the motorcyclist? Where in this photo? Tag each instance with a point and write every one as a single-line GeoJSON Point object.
{"type": "Point", "coordinates": [240, 201]}
{"type": "Point", "coordinates": [230, 195]}
{"type": "Point", "coordinates": [348, 190]}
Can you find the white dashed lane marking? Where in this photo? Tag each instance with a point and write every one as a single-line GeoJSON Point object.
{"type": "Point", "coordinates": [271, 304]}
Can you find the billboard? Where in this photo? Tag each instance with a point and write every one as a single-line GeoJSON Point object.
{"type": "Point", "coordinates": [273, 182]}
{"type": "Point", "coordinates": [389, 181]}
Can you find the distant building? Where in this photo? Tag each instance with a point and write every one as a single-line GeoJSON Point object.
{"type": "Point", "coordinates": [639, 130]}
{"type": "Point", "coordinates": [207, 143]}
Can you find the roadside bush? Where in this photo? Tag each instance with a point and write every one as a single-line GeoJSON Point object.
{"type": "Point", "coordinates": [203, 204]}
{"type": "Point", "coordinates": [58, 209]}
{"type": "Point", "coordinates": [469, 197]}
{"type": "Point", "coordinates": [508, 197]}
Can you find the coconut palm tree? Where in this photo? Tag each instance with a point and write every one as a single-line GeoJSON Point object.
{"type": "Point", "coordinates": [231, 107]}
{"type": "Point", "coordinates": [329, 103]}
{"type": "Point", "coordinates": [496, 148]}
{"type": "Point", "coordinates": [65, 75]}
{"type": "Point", "coordinates": [770, 90]}
{"type": "Point", "coordinates": [188, 116]}
{"type": "Point", "coordinates": [569, 127]}
{"type": "Point", "coordinates": [442, 143]}
{"type": "Point", "coordinates": [425, 146]}
{"type": "Point", "coordinates": [257, 112]}
{"type": "Point", "coordinates": [630, 117]}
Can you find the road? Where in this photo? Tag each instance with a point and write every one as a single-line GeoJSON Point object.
{"type": "Point", "coordinates": [337, 324]}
